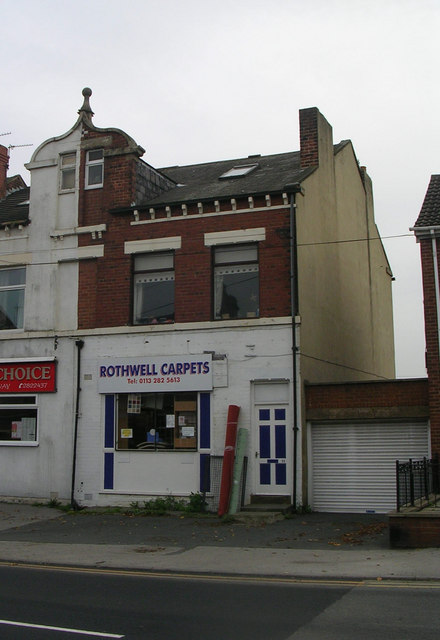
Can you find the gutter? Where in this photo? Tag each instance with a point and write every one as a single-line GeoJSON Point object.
{"type": "Point", "coordinates": [421, 233]}
{"type": "Point", "coordinates": [144, 206]}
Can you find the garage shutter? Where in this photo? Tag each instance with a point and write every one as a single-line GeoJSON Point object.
{"type": "Point", "coordinates": [353, 465]}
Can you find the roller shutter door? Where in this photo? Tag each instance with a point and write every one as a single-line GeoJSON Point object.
{"type": "Point", "coordinates": [353, 465]}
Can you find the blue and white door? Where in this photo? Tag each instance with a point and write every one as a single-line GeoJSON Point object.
{"type": "Point", "coordinates": [273, 458]}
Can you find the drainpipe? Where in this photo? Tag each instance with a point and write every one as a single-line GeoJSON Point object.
{"type": "Point", "coordinates": [293, 189]}
{"type": "Point", "coordinates": [79, 345]}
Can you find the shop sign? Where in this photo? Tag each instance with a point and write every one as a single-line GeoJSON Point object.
{"type": "Point", "coordinates": [149, 375]}
{"type": "Point", "coordinates": [27, 377]}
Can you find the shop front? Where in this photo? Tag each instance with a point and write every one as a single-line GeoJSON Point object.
{"type": "Point", "coordinates": [156, 423]}
{"type": "Point", "coordinates": [21, 382]}
{"type": "Point", "coordinates": [35, 426]}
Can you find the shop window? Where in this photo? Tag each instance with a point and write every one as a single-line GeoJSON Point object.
{"type": "Point", "coordinates": [12, 286]}
{"type": "Point", "coordinates": [94, 169]}
{"type": "Point", "coordinates": [153, 299]}
{"type": "Point", "coordinates": [236, 281]}
{"type": "Point", "coordinates": [157, 421]}
{"type": "Point", "coordinates": [18, 419]}
{"type": "Point", "coordinates": [67, 171]}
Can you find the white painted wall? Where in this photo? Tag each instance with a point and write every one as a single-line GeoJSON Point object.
{"type": "Point", "coordinates": [43, 469]}
{"type": "Point", "coordinates": [258, 352]}
{"type": "Point", "coordinates": [51, 293]}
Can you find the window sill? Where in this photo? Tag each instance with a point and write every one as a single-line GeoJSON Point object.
{"type": "Point", "coordinates": [10, 443]}
{"type": "Point", "coordinates": [161, 451]}
{"type": "Point", "coordinates": [249, 316]}
{"type": "Point", "coordinates": [93, 186]}
{"type": "Point", "coordinates": [152, 324]}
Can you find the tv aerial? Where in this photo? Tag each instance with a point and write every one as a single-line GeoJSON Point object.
{"type": "Point", "coordinates": [14, 146]}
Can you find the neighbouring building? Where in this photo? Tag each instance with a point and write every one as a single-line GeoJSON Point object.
{"type": "Point", "coordinates": [427, 233]}
{"type": "Point", "coordinates": [138, 303]}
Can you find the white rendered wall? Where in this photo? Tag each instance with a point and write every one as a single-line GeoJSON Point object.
{"type": "Point", "coordinates": [51, 293]}
{"type": "Point", "coordinates": [43, 470]}
{"type": "Point", "coordinates": [252, 353]}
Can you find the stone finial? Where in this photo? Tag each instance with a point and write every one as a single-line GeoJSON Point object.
{"type": "Point", "coordinates": [86, 109]}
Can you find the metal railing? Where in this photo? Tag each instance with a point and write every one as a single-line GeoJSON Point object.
{"type": "Point", "coordinates": [417, 483]}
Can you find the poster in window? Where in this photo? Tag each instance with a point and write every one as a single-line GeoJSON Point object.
{"type": "Point", "coordinates": [29, 429]}
{"type": "Point", "coordinates": [16, 430]}
{"type": "Point", "coordinates": [134, 403]}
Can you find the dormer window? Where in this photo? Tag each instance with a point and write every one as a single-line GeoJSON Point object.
{"type": "Point", "coordinates": [67, 171]}
{"type": "Point", "coordinates": [239, 171]}
{"type": "Point", "coordinates": [94, 169]}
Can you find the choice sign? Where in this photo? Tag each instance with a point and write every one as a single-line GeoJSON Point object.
{"type": "Point", "coordinates": [27, 377]}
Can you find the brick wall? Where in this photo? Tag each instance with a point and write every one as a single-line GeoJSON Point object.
{"type": "Point", "coordinates": [308, 136]}
{"type": "Point", "coordinates": [104, 284]}
{"type": "Point", "coordinates": [111, 290]}
{"type": "Point", "coordinates": [393, 393]}
{"type": "Point", "coordinates": [119, 178]}
{"type": "Point", "coordinates": [414, 530]}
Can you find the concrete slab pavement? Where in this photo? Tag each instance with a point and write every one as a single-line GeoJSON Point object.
{"type": "Point", "coordinates": [16, 514]}
{"type": "Point", "coordinates": [283, 563]}
{"type": "Point", "coordinates": [39, 535]}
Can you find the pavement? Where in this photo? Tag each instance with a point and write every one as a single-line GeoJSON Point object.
{"type": "Point", "coordinates": [302, 546]}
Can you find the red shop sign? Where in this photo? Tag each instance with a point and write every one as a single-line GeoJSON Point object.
{"type": "Point", "coordinates": [27, 377]}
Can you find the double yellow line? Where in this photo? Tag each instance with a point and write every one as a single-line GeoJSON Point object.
{"type": "Point", "coordinates": [370, 583]}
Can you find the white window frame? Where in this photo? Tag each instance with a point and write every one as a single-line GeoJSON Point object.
{"type": "Point", "coordinates": [239, 263]}
{"type": "Point", "coordinates": [94, 163]}
{"type": "Point", "coordinates": [243, 236]}
{"type": "Point", "coordinates": [16, 404]}
{"type": "Point", "coordinates": [15, 287]}
{"type": "Point", "coordinates": [68, 168]}
{"type": "Point", "coordinates": [149, 275]}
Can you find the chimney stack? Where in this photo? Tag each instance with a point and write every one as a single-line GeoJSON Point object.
{"type": "Point", "coordinates": [308, 137]}
{"type": "Point", "coordinates": [315, 137]}
{"type": "Point", "coordinates": [4, 163]}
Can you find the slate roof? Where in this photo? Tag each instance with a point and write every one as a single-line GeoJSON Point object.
{"type": "Point", "coordinates": [429, 215]}
{"type": "Point", "coordinates": [12, 207]}
{"type": "Point", "coordinates": [200, 182]}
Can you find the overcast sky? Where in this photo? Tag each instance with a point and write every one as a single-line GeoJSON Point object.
{"type": "Point", "coordinates": [201, 80]}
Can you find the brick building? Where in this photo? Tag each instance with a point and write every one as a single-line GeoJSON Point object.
{"type": "Point", "coordinates": [152, 299]}
{"type": "Point", "coordinates": [427, 232]}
